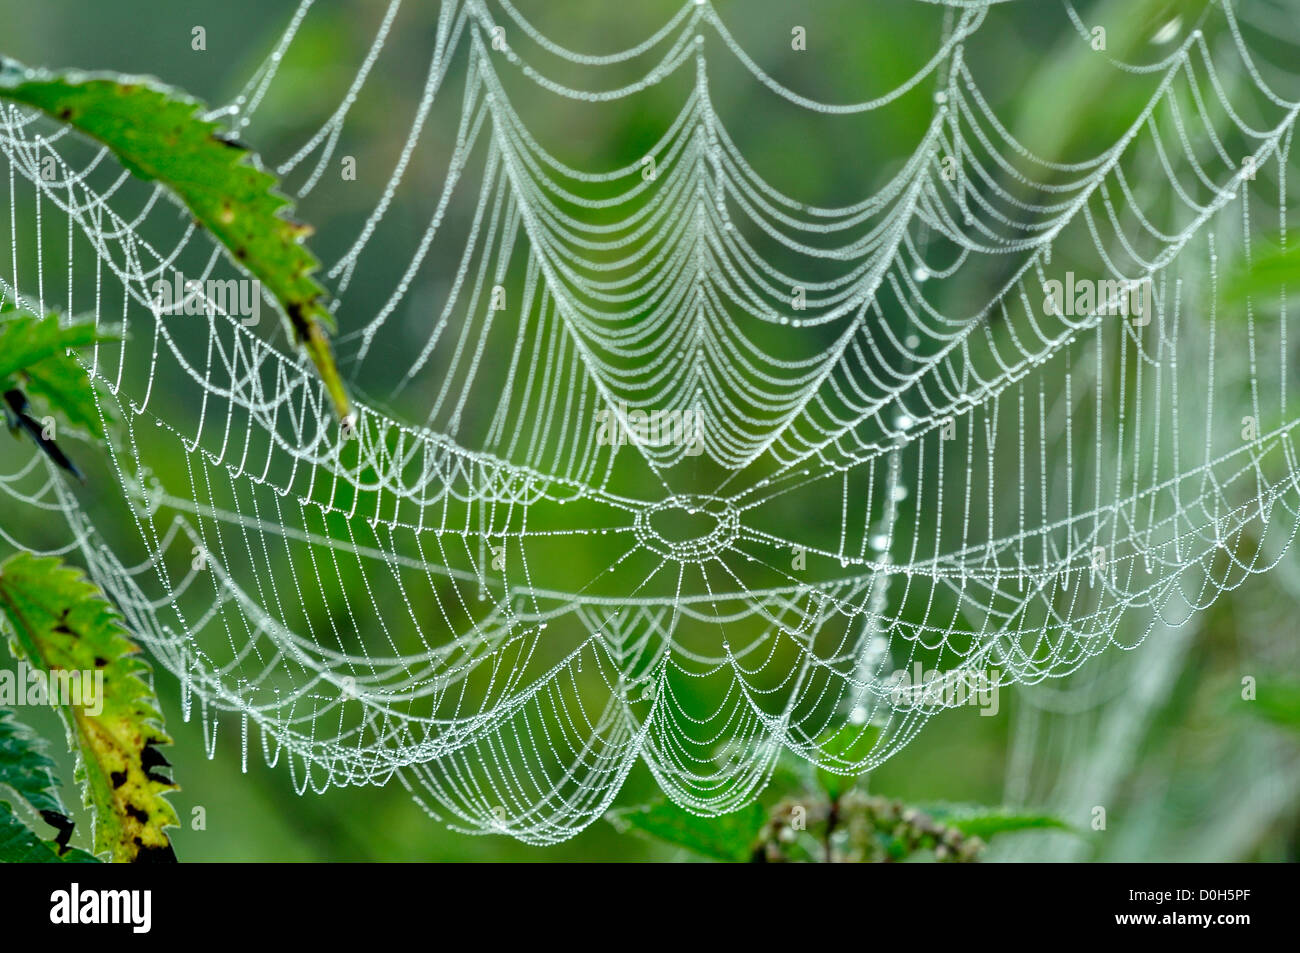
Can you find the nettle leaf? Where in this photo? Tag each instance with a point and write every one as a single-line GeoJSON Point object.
{"type": "Point", "coordinates": [24, 766]}
{"type": "Point", "coordinates": [159, 133]}
{"type": "Point", "coordinates": [36, 361]}
{"type": "Point", "coordinates": [64, 386]}
{"type": "Point", "coordinates": [986, 823]}
{"type": "Point", "coordinates": [28, 341]}
{"type": "Point", "coordinates": [34, 356]}
{"type": "Point", "coordinates": [730, 837]}
{"type": "Point", "coordinates": [26, 771]}
{"type": "Point", "coordinates": [20, 845]}
{"type": "Point", "coordinates": [62, 623]}
{"type": "Point", "coordinates": [844, 747]}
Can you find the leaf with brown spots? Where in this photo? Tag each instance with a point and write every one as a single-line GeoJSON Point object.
{"type": "Point", "coordinates": [61, 623]}
{"type": "Point", "coordinates": [160, 135]}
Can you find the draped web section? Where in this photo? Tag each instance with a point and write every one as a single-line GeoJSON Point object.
{"type": "Point", "coordinates": [656, 464]}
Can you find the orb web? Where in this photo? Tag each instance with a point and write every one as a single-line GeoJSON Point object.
{"type": "Point", "coordinates": [659, 460]}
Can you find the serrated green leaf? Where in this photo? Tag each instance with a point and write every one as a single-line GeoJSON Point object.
{"type": "Point", "coordinates": [19, 844]}
{"type": "Point", "coordinates": [159, 134]}
{"type": "Point", "coordinates": [34, 357]}
{"type": "Point", "coordinates": [843, 748]}
{"type": "Point", "coordinates": [65, 387]}
{"type": "Point", "coordinates": [730, 837]}
{"type": "Point", "coordinates": [24, 766]}
{"type": "Point", "coordinates": [61, 622]}
{"type": "Point", "coordinates": [26, 771]}
{"type": "Point", "coordinates": [26, 340]}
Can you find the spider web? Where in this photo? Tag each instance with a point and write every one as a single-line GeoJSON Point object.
{"type": "Point", "coordinates": [899, 455]}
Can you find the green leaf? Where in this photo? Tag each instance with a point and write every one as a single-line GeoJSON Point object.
{"type": "Point", "coordinates": [26, 770]}
{"type": "Point", "coordinates": [62, 623]}
{"type": "Point", "coordinates": [65, 387]}
{"type": "Point", "coordinates": [160, 135]}
{"type": "Point", "coordinates": [986, 823]}
{"type": "Point", "coordinates": [26, 340]}
{"type": "Point", "coordinates": [730, 837]}
{"type": "Point", "coordinates": [844, 747]}
{"type": "Point", "coordinates": [24, 766]}
{"type": "Point", "coordinates": [34, 357]}
{"type": "Point", "coordinates": [20, 845]}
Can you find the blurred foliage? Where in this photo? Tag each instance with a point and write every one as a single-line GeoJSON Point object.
{"type": "Point", "coordinates": [1279, 703]}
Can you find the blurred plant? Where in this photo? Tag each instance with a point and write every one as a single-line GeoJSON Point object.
{"type": "Point", "coordinates": [1278, 702]}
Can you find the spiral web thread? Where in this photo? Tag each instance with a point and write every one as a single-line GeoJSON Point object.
{"type": "Point", "coordinates": [883, 475]}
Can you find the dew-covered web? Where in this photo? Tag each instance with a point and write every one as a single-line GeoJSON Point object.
{"type": "Point", "coordinates": [894, 452]}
